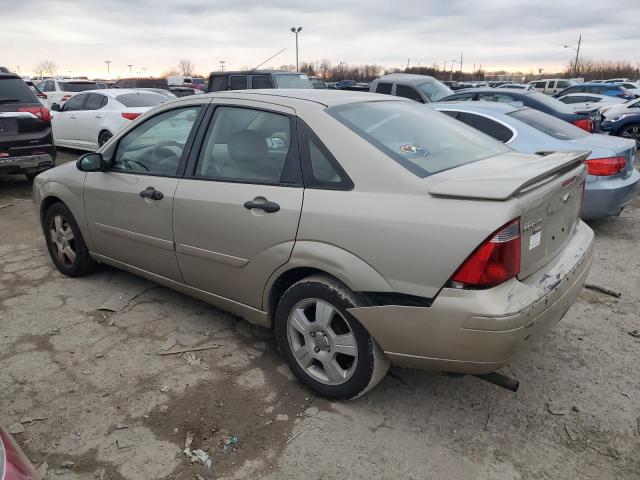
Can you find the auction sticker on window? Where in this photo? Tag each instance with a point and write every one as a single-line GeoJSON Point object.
{"type": "Point", "coordinates": [535, 239]}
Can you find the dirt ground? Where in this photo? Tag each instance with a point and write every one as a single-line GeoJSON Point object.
{"type": "Point", "coordinates": [88, 386]}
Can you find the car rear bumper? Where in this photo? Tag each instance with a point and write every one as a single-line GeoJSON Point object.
{"type": "Point", "coordinates": [607, 196]}
{"type": "Point", "coordinates": [479, 331]}
{"type": "Point", "coordinates": [28, 163]}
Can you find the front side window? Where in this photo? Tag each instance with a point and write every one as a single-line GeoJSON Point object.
{"type": "Point", "coordinates": [563, 84]}
{"type": "Point", "coordinates": [293, 80]}
{"type": "Point", "coordinates": [245, 145]}
{"type": "Point", "coordinates": [552, 84]}
{"type": "Point", "coordinates": [420, 139]}
{"type": "Point", "coordinates": [540, 85]}
{"type": "Point", "coordinates": [487, 126]}
{"type": "Point", "coordinates": [434, 90]}
{"type": "Point", "coordinates": [408, 92]}
{"type": "Point", "coordinates": [556, 128]}
{"type": "Point", "coordinates": [155, 147]}
{"type": "Point", "coordinates": [238, 82]}
{"type": "Point", "coordinates": [75, 103]}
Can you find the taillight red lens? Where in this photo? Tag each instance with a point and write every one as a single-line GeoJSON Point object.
{"type": "Point", "coordinates": [584, 124]}
{"type": "Point", "coordinates": [495, 261]}
{"type": "Point", "coordinates": [41, 95]}
{"type": "Point", "coordinates": [40, 112]}
{"type": "Point", "coordinates": [130, 115]}
{"type": "Point", "coordinates": [17, 466]}
{"type": "Point", "coordinates": [605, 167]}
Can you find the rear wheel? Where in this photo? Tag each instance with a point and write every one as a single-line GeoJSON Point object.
{"type": "Point", "coordinates": [65, 243]}
{"type": "Point", "coordinates": [104, 137]}
{"type": "Point", "coordinates": [324, 345]}
{"type": "Point", "coordinates": [633, 132]}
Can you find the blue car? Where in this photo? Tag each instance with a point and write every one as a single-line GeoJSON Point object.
{"type": "Point", "coordinates": [612, 180]}
{"type": "Point", "coordinates": [609, 89]}
{"type": "Point", "coordinates": [626, 125]}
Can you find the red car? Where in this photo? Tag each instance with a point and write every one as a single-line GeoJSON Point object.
{"type": "Point", "coordinates": [14, 465]}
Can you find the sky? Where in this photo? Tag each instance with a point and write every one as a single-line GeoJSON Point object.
{"type": "Point", "coordinates": [153, 35]}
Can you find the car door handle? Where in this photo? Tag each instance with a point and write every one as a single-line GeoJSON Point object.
{"type": "Point", "coordinates": [98, 116]}
{"type": "Point", "coordinates": [151, 193]}
{"type": "Point", "coordinates": [72, 116]}
{"type": "Point", "coordinates": [267, 206]}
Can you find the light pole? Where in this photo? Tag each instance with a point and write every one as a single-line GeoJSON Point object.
{"type": "Point", "coordinates": [108, 62]}
{"type": "Point", "coordinates": [451, 74]}
{"type": "Point", "coordinates": [222, 62]}
{"type": "Point", "coordinates": [129, 65]}
{"type": "Point", "coordinates": [577, 50]}
{"type": "Point", "coordinates": [296, 31]}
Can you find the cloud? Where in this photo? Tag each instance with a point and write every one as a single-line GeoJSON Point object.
{"type": "Point", "coordinates": [155, 34]}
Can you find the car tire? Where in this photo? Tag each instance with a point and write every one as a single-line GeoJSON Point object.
{"type": "Point", "coordinates": [325, 347]}
{"type": "Point", "coordinates": [104, 137]}
{"type": "Point", "coordinates": [64, 240]}
{"type": "Point", "coordinates": [632, 132]}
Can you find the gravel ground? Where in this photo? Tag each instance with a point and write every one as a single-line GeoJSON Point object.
{"type": "Point", "coordinates": [89, 387]}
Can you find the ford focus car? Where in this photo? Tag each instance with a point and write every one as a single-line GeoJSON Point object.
{"type": "Point", "coordinates": [364, 229]}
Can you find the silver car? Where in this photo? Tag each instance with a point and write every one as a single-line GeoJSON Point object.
{"type": "Point", "coordinates": [612, 180]}
{"type": "Point", "coordinates": [364, 229]}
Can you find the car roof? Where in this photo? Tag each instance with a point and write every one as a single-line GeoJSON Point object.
{"type": "Point", "coordinates": [411, 78]}
{"type": "Point", "coordinates": [479, 107]}
{"type": "Point", "coordinates": [9, 75]}
{"type": "Point", "coordinates": [253, 72]}
{"type": "Point", "coordinates": [115, 92]}
{"type": "Point", "coordinates": [516, 91]}
{"type": "Point", "coordinates": [596, 84]}
{"type": "Point", "coordinates": [324, 97]}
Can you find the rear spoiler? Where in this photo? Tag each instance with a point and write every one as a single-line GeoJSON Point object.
{"type": "Point", "coordinates": [509, 182]}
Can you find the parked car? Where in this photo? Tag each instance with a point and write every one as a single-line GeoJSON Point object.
{"type": "Point", "coordinates": [539, 101]}
{"type": "Point", "coordinates": [14, 464]}
{"type": "Point", "coordinates": [612, 180]}
{"type": "Point", "coordinates": [179, 80]}
{"type": "Point", "coordinates": [26, 143]}
{"type": "Point", "coordinates": [482, 251]}
{"type": "Point", "coordinates": [517, 86]}
{"type": "Point", "coordinates": [632, 87]}
{"type": "Point", "coordinates": [318, 82]}
{"type": "Point", "coordinates": [550, 86]}
{"type": "Point", "coordinates": [420, 88]}
{"type": "Point", "coordinates": [59, 91]}
{"type": "Point", "coordinates": [612, 110]}
{"type": "Point", "coordinates": [617, 80]}
{"type": "Point", "coordinates": [610, 89]}
{"type": "Point", "coordinates": [153, 84]}
{"type": "Point", "coordinates": [626, 125]}
{"type": "Point", "coordinates": [4, 70]}
{"type": "Point", "coordinates": [41, 96]}
{"type": "Point", "coordinates": [88, 120]}
{"type": "Point", "coordinates": [243, 80]}
{"type": "Point", "coordinates": [587, 102]}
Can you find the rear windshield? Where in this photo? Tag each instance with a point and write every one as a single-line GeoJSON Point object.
{"type": "Point", "coordinates": [14, 90]}
{"type": "Point", "coordinates": [141, 99]}
{"type": "Point", "coordinates": [292, 80]}
{"type": "Point", "coordinates": [435, 90]}
{"type": "Point", "coordinates": [551, 102]}
{"type": "Point", "coordinates": [418, 138]}
{"type": "Point", "coordinates": [77, 86]}
{"type": "Point", "coordinates": [149, 83]}
{"type": "Point", "coordinates": [548, 124]}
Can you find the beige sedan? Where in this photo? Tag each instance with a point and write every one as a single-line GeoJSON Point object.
{"type": "Point", "coordinates": [363, 229]}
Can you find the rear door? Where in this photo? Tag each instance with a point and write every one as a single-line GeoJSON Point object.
{"type": "Point", "coordinates": [129, 208]}
{"type": "Point", "coordinates": [237, 210]}
{"type": "Point", "coordinates": [89, 120]}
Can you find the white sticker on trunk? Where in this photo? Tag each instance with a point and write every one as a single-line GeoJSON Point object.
{"type": "Point", "coordinates": [535, 239]}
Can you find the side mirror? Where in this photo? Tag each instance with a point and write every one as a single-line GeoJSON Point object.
{"type": "Point", "coordinates": [92, 162]}
{"type": "Point", "coordinates": [56, 107]}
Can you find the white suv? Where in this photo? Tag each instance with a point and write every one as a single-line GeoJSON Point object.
{"type": "Point", "coordinates": [550, 86]}
{"type": "Point", "coordinates": [60, 90]}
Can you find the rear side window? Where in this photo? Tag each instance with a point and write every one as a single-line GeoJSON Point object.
{"type": "Point", "coordinates": [14, 90]}
{"type": "Point", "coordinates": [496, 97]}
{"type": "Point", "coordinates": [552, 84]}
{"type": "Point", "coordinates": [95, 101]}
{"type": "Point", "coordinates": [408, 92]}
{"type": "Point", "coordinates": [552, 126]}
{"type": "Point", "coordinates": [140, 99]}
{"type": "Point", "coordinates": [77, 86]}
{"type": "Point", "coordinates": [219, 83]}
{"type": "Point", "coordinates": [384, 88]}
{"type": "Point", "coordinates": [420, 139]}
{"type": "Point", "coordinates": [320, 169]}
{"type": "Point", "coordinates": [261, 81]}
{"type": "Point", "coordinates": [540, 85]}
{"type": "Point", "coordinates": [487, 126]}
{"type": "Point", "coordinates": [238, 82]}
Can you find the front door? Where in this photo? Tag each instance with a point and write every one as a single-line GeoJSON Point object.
{"type": "Point", "coordinates": [129, 208]}
{"type": "Point", "coordinates": [65, 122]}
{"type": "Point", "coordinates": [236, 214]}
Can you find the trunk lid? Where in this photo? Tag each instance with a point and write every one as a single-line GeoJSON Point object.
{"type": "Point", "coordinates": [609, 146]}
{"type": "Point", "coordinates": [549, 190]}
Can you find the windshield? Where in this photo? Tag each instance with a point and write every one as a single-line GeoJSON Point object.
{"type": "Point", "coordinates": [418, 138]}
{"type": "Point", "coordinates": [14, 90]}
{"type": "Point", "coordinates": [548, 124]}
{"type": "Point", "coordinates": [294, 80]}
{"type": "Point", "coordinates": [551, 102]}
{"type": "Point", "coordinates": [140, 99]}
{"type": "Point", "coordinates": [77, 86]}
{"type": "Point", "coordinates": [435, 90]}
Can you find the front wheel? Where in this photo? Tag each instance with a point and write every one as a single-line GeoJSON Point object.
{"type": "Point", "coordinates": [325, 346]}
{"type": "Point", "coordinates": [633, 132]}
{"type": "Point", "coordinates": [65, 243]}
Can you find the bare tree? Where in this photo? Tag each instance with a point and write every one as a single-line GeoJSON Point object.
{"type": "Point", "coordinates": [46, 67]}
{"type": "Point", "coordinates": [186, 67]}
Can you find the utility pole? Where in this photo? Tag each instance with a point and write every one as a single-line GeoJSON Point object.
{"type": "Point", "coordinates": [575, 68]}
{"type": "Point", "coordinates": [129, 65]}
{"type": "Point", "coordinates": [444, 67]}
{"type": "Point", "coordinates": [222, 62]}
{"type": "Point", "coordinates": [296, 31]}
{"type": "Point", "coordinates": [408, 63]}
{"type": "Point", "coordinates": [460, 63]}
{"type": "Point", "coordinates": [473, 73]}
{"type": "Point", "coordinates": [451, 74]}
{"type": "Point", "coordinates": [108, 62]}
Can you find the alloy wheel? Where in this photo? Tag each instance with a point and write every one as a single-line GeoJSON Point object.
{"type": "Point", "coordinates": [632, 132]}
{"type": "Point", "coordinates": [322, 341]}
{"type": "Point", "coordinates": [63, 241]}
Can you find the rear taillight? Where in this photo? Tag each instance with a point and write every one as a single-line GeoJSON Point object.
{"type": "Point", "coordinates": [16, 467]}
{"type": "Point", "coordinates": [494, 262]}
{"type": "Point", "coordinates": [40, 112]}
{"type": "Point", "coordinates": [130, 115]}
{"type": "Point", "coordinates": [605, 167]}
{"type": "Point", "coordinates": [41, 95]}
{"type": "Point", "coordinates": [585, 124]}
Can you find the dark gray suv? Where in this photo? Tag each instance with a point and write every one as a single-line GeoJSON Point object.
{"type": "Point", "coordinates": [250, 79]}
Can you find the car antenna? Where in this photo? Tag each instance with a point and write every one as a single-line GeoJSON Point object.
{"type": "Point", "coordinates": [272, 56]}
